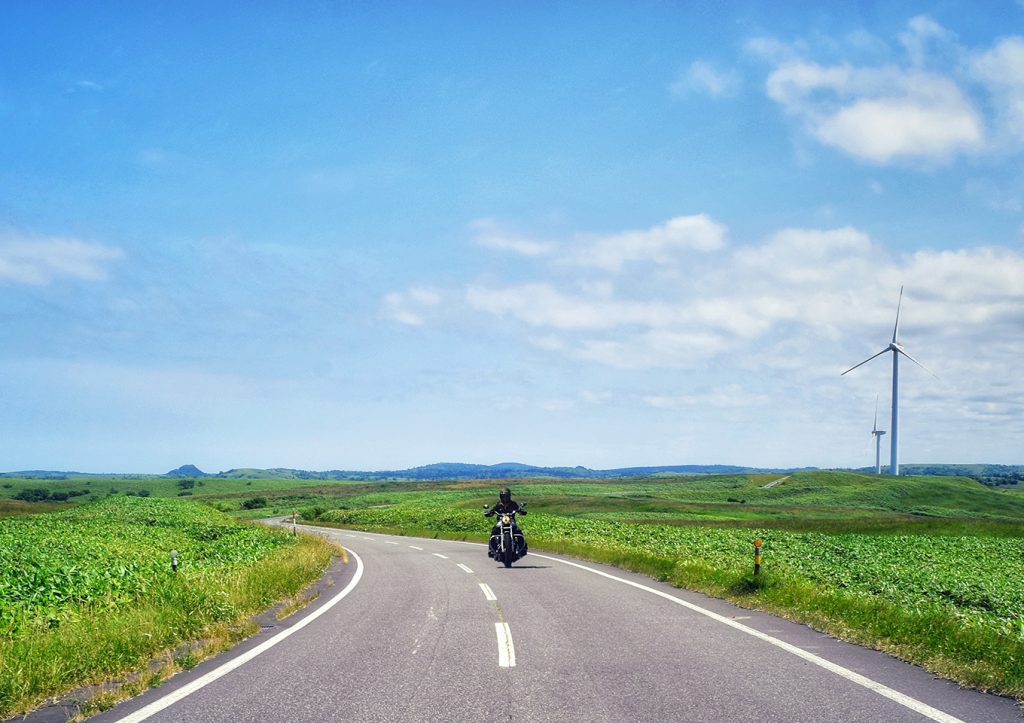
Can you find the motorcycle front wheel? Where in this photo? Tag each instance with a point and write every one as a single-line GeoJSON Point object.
{"type": "Point", "coordinates": [508, 555]}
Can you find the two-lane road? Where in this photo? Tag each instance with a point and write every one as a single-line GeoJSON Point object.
{"type": "Point", "coordinates": [431, 630]}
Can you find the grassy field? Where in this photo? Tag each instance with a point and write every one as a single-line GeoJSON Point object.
{"type": "Point", "coordinates": [87, 594]}
{"type": "Point", "coordinates": [927, 568]}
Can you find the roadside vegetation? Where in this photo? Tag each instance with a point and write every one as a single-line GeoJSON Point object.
{"type": "Point", "coordinates": [87, 594]}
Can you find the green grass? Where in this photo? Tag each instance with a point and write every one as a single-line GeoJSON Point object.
{"type": "Point", "coordinates": [88, 594]}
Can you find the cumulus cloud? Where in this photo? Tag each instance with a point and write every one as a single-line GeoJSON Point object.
{"type": "Point", "coordinates": [944, 99]}
{"type": "Point", "coordinates": [662, 244]}
{"type": "Point", "coordinates": [39, 260]}
{"type": "Point", "coordinates": [705, 78]}
{"type": "Point", "coordinates": [878, 114]}
{"type": "Point", "coordinates": [665, 244]}
{"type": "Point", "coordinates": [779, 301]}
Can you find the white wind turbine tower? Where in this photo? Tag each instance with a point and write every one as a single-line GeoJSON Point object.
{"type": "Point", "coordinates": [897, 349]}
{"type": "Point", "coordinates": [877, 434]}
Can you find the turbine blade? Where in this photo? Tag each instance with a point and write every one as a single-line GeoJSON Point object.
{"type": "Point", "coordinates": [918, 363]}
{"type": "Point", "coordinates": [874, 427]}
{"type": "Point", "coordinates": [865, 361]}
{"type": "Point", "coordinates": [896, 329]}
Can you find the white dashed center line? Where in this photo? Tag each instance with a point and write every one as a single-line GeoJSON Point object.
{"type": "Point", "coordinates": [506, 651]}
{"type": "Point", "coordinates": [438, 554]}
{"type": "Point", "coordinates": [416, 548]}
{"type": "Point", "coordinates": [465, 569]}
{"type": "Point", "coordinates": [488, 592]}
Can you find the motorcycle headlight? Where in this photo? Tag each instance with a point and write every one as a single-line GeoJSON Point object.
{"type": "Point", "coordinates": [505, 519]}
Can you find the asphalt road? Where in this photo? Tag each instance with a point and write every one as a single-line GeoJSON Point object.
{"type": "Point", "coordinates": [430, 630]}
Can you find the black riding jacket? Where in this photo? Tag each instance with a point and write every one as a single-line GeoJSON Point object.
{"type": "Point", "coordinates": [505, 507]}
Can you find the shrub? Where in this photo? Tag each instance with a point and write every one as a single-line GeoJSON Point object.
{"type": "Point", "coordinates": [40, 494]}
{"type": "Point", "coordinates": [254, 503]}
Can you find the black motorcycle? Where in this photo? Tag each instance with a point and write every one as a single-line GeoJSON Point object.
{"type": "Point", "coordinates": [507, 541]}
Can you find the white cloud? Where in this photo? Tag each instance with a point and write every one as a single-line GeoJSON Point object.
{"type": "Point", "coordinates": [490, 235]}
{"type": "Point", "coordinates": [878, 115]}
{"type": "Point", "coordinates": [542, 305]}
{"type": "Point", "coordinates": [39, 260]}
{"type": "Point", "coordinates": [945, 99]}
{"type": "Point", "coordinates": [662, 244]}
{"type": "Point", "coordinates": [654, 349]}
{"type": "Point", "coordinates": [772, 49]}
{"type": "Point", "coordinates": [706, 78]}
{"type": "Point", "coordinates": [801, 304]}
{"type": "Point", "coordinates": [809, 257]}
{"type": "Point", "coordinates": [923, 37]}
{"type": "Point", "coordinates": [1001, 69]}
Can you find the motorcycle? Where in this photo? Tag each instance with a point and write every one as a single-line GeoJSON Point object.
{"type": "Point", "coordinates": [507, 541]}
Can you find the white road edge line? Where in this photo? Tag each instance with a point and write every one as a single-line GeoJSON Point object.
{"type": "Point", "coordinates": [506, 651]}
{"type": "Point", "coordinates": [883, 690]}
{"type": "Point", "coordinates": [416, 548]}
{"type": "Point", "coordinates": [201, 682]}
{"type": "Point", "coordinates": [438, 554]}
{"type": "Point", "coordinates": [488, 592]}
{"type": "Point", "coordinates": [465, 568]}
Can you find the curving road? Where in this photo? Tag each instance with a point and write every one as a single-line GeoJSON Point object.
{"type": "Point", "coordinates": [431, 630]}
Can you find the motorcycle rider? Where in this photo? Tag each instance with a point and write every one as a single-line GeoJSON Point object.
{"type": "Point", "coordinates": [505, 506]}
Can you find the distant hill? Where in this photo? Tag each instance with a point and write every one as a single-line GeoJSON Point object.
{"type": "Point", "coordinates": [187, 470]}
{"type": "Point", "coordinates": [988, 474]}
{"type": "Point", "coordinates": [503, 470]}
{"type": "Point", "coordinates": [993, 475]}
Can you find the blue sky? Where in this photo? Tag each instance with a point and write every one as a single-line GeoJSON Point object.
{"type": "Point", "coordinates": [371, 236]}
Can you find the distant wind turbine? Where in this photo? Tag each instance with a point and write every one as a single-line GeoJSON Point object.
{"type": "Point", "coordinates": [897, 349]}
{"type": "Point", "coordinates": [877, 434]}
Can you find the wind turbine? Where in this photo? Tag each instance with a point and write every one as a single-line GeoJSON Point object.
{"type": "Point", "coordinates": [897, 349]}
{"type": "Point", "coordinates": [877, 434]}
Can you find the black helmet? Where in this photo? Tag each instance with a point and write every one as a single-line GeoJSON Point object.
{"type": "Point", "coordinates": [505, 495]}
